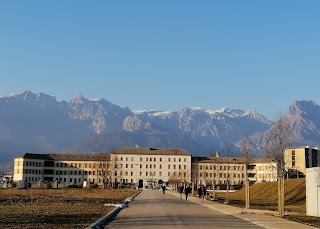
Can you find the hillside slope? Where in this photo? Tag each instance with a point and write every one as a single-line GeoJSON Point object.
{"type": "Point", "coordinates": [265, 195]}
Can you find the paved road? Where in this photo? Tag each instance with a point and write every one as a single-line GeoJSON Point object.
{"type": "Point", "coordinates": [152, 209]}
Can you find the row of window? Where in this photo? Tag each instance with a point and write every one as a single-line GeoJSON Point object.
{"type": "Point", "coordinates": [62, 180]}
{"type": "Point", "coordinates": [214, 167]}
{"type": "Point", "coordinates": [222, 175]}
{"type": "Point", "coordinates": [152, 159]}
{"type": "Point", "coordinates": [82, 165]}
{"type": "Point", "coordinates": [152, 174]}
{"type": "Point", "coordinates": [234, 168]}
{"type": "Point", "coordinates": [30, 163]}
{"type": "Point", "coordinates": [153, 166]}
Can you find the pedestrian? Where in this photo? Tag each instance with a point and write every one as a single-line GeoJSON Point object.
{"type": "Point", "coordinates": [203, 192]}
{"type": "Point", "coordinates": [187, 190]}
{"type": "Point", "coordinates": [164, 189]}
{"type": "Point", "coordinates": [180, 189]}
{"type": "Point", "coordinates": [199, 192]}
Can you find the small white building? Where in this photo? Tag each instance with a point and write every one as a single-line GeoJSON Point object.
{"type": "Point", "coordinates": [313, 191]}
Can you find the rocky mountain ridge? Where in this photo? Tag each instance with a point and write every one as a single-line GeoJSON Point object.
{"type": "Point", "coordinates": [38, 123]}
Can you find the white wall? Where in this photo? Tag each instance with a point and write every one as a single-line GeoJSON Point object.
{"type": "Point", "coordinates": [313, 191]}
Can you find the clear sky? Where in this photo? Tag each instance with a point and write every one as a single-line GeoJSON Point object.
{"type": "Point", "coordinates": [164, 55]}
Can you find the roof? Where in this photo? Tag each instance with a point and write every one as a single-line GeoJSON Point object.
{"type": "Point", "coordinates": [67, 157]}
{"type": "Point", "coordinates": [151, 151]}
{"type": "Point", "coordinates": [235, 160]}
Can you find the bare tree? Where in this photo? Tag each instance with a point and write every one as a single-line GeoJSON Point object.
{"type": "Point", "coordinates": [194, 176]}
{"type": "Point", "coordinates": [279, 138]}
{"type": "Point", "coordinates": [227, 151]}
{"type": "Point", "coordinates": [247, 154]}
{"type": "Point", "coordinates": [115, 171]}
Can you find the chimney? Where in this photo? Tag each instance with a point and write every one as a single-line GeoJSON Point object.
{"type": "Point", "coordinates": [217, 154]}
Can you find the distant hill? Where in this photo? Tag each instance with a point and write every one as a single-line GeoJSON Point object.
{"type": "Point", "coordinates": [150, 139]}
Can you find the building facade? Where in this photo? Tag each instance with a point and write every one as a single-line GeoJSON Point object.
{"type": "Point", "coordinates": [151, 167]}
{"type": "Point", "coordinates": [297, 160]}
{"type": "Point", "coordinates": [218, 171]}
{"type": "Point", "coordinates": [140, 167]}
{"type": "Point", "coordinates": [135, 166]}
{"type": "Point", "coordinates": [62, 168]}
{"type": "Point", "coordinates": [313, 191]}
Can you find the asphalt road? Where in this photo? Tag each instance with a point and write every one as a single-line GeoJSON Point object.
{"type": "Point", "coordinates": [152, 209]}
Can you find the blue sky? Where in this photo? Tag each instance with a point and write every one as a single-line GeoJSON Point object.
{"type": "Point", "coordinates": [164, 55]}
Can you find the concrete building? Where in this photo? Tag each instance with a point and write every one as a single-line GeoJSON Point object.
{"type": "Point", "coordinates": [135, 166]}
{"type": "Point", "coordinates": [63, 168]}
{"type": "Point", "coordinates": [313, 191]}
{"type": "Point", "coordinates": [139, 167]}
{"type": "Point", "coordinates": [150, 167]}
{"type": "Point", "coordinates": [297, 160]}
{"type": "Point", "coordinates": [219, 170]}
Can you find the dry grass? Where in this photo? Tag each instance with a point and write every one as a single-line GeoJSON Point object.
{"type": "Point", "coordinates": [56, 208]}
{"type": "Point", "coordinates": [265, 196]}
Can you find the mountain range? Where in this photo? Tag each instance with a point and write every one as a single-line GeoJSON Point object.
{"type": "Point", "coordinates": [38, 123]}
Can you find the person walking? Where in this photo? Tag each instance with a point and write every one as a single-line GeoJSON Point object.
{"type": "Point", "coordinates": [180, 189]}
{"type": "Point", "coordinates": [199, 192]}
{"type": "Point", "coordinates": [203, 192]}
{"type": "Point", "coordinates": [187, 191]}
{"type": "Point", "coordinates": [164, 189]}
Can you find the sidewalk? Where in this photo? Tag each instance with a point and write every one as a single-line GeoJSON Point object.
{"type": "Point", "coordinates": [262, 218]}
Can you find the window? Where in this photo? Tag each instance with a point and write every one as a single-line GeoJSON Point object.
{"type": "Point", "coordinates": [185, 159]}
{"type": "Point", "coordinates": [140, 158]}
{"type": "Point", "coordinates": [184, 167]}
{"type": "Point", "coordinates": [168, 166]}
{"type": "Point", "coordinates": [131, 158]}
{"type": "Point", "coordinates": [160, 174]}
{"type": "Point", "coordinates": [179, 159]}
{"type": "Point", "coordinates": [154, 159]}
{"type": "Point", "coordinates": [160, 158]}
{"type": "Point", "coordinates": [147, 159]}
{"type": "Point", "coordinates": [132, 166]}
{"type": "Point", "coordinates": [169, 159]}
{"type": "Point", "coordinates": [160, 166]}
{"type": "Point", "coordinates": [146, 173]}
{"type": "Point", "coordinates": [150, 159]}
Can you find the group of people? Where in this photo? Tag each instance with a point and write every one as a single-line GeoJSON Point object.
{"type": "Point", "coordinates": [202, 192]}
{"type": "Point", "coordinates": [187, 190]}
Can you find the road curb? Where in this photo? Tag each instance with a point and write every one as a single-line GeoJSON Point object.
{"type": "Point", "coordinates": [100, 223]}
